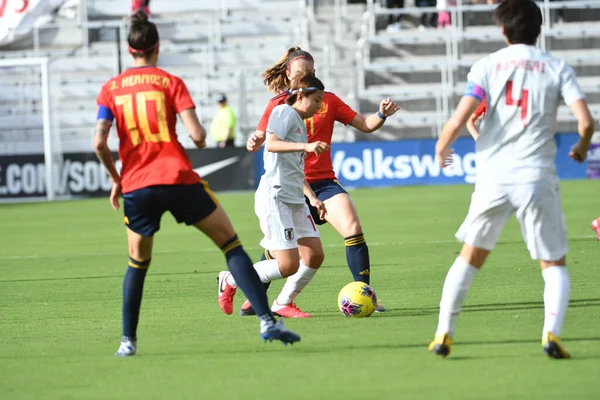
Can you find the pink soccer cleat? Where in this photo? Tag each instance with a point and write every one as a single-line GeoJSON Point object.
{"type": "Point", "coordinates": [226, 293]}
{"type": "Point", "coordinates": [288, 311]}
{"type": "Point", "coordinates": [596, 227]}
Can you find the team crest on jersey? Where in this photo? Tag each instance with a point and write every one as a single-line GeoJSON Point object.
{"type": "Point", "coordinates": [289, 234]}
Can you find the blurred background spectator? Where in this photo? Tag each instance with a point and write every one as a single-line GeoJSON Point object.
{"type": "Point", "coordinates": [222, 128]}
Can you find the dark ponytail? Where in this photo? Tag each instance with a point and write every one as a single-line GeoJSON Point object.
{"type": "Point", "coordinates": [143, 35]}
{"type": "Point", "coordinates": [304, 84]}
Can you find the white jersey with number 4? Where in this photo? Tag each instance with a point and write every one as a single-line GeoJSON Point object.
{"type": "Point", "coordinates": [523, 87]}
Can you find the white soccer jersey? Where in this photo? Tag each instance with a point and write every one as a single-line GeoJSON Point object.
{"type": "Point", "coordinates": [523, 86]}
{"type": "Point", "coordinates": [284, 172]}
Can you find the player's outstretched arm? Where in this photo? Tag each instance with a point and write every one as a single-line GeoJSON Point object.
{"type": "Point", "coordinates": [585, 127]}
{"type": "Point", "coordinates": [104, 155]}
{"type": "Point", "coordinates": [375, 121]}
{"type": "Point", "coordinates": [194, 127]}
{"type": "Point", "coordinates": [452, 127]}
{"type": "Point", "coordinates": [255, 141]}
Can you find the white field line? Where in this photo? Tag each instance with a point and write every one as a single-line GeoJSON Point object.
{"type": "Point", "coordinates": [215, 249]}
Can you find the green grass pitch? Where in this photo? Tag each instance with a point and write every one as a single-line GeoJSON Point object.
{"type": "Point", "coordinates": [61, 268]}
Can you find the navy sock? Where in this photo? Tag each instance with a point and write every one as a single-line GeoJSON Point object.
{"type": "Point", "coordinates": [133, 286]}
{"type": "Point", "coordinates": [266, 255]}
{"type": "Point", "coordinates": [357, 256]}
{"type": "Point", "coordinates": [246, 277]}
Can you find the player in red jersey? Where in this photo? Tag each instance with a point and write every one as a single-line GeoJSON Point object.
{"type": "Point", "coordinates": [479, 112]}
{"type": "Point", "coordinates": [157, 176]}
{"type": "Point", "coordinates": [341, 214]}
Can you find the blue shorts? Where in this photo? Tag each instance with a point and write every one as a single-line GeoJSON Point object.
{"type": "Point", "coordinates": [187, 203]}
{"type": "Point", "coordinates": [324, 190]}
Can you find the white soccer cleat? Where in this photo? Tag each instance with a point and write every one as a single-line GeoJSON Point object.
{"type": "Point", "coordinates": [128, 348]}
{"type": "Point", "coordinates": [277, 331]}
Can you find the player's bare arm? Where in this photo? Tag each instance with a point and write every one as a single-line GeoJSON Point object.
{"type": "Point", "coordinates": [314, 201]}
{"type": "Point", "coordinates": [375, 121]}
{"type": "Point", "coordinates": [104, 155]}
{"type": "Point", "coordinates": [255, 141]}
{"type": "Point", "coordinates": [452, 127]}
{"type": "Point", "coordinates": [471, 126]}
{"type": "Point", "coordinates": [585, 128]}
{"type": "Point", "coordinates": [194, 127]}
{"type": "Point", "coordinates": [276, 145]}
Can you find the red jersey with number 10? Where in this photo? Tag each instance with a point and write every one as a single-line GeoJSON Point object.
{"type": "Point", "coordinates": [318, 128]}
{"type": "Point", "coordinates": [145, 103]}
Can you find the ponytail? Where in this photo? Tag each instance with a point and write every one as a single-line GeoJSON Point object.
{"type": "Point", "coordinates": [276, 77]}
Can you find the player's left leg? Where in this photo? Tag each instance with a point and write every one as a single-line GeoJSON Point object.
{"type": "Point", "coordinates": [342, 215]}
{"type": "Point", "coordinates": [311, 258]}
{"type": "Point", "coordinates": [544, 230]}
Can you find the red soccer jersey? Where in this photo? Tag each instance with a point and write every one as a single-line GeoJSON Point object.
{"type": "Point", "coordinates": [481, 110]}
{"type": "Point", "coordinates": [145, 103]}
{"type": "Point", "coordinates": [319, 128]}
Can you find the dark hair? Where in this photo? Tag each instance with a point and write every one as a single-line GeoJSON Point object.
{"type": "Point", "coordinates": [143, 35]}
{"type": "Point", "coordinates": [521, 20]}
{"type": "Point", "coordinates": [275, 77]}
{"type": "Point", "coordinates": [305, 82]}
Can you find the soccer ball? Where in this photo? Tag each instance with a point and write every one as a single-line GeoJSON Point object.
{"type": "Point", "coordinates": [357, 300]}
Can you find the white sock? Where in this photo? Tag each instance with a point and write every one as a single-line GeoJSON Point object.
{"type": "Point", "coordinates": [267, 270]}
{"type": "Point", "coordinates": [295, 283]}
{"type": "Point", "coordinates": [230, 280]}
{"type": "Point", "coordinates": [457, 284]}
{"type": "Point", "coordinates": [556, 298]}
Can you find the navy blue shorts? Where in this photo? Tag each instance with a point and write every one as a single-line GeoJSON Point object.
{"type": "Point", "coordinates": [324, 190]}
{"type": "Point", "coordinates": [187, 203]}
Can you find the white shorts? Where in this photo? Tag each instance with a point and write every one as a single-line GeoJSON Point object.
{"type": "Point", "coordinates": [539, 212]}
{"type": "Point", "coordinates": [283, 223]}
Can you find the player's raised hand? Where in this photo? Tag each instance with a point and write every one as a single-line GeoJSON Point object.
{"type": "Point", "coordinates": [579, 151]}
{"type": "Point", "coordinates": [317, 147]}
{"type": "Point", "coordinates": [115, 194]}
{"type": "Point", "coordinates": [320, 206]}
{"type": "Point", "coordinates": [254, 142]}
{"type": "Point", "coordinates": [387, 107]}
{"type": "Point", "coordinates": [444, 158]}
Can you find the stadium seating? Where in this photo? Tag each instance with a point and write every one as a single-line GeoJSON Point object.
{"type": "Point", "coordinates": [223, 45]}
{"type": "Point", "coordinates": [210, 44]}
{"type": "Point", "coordinates": [425, 71]}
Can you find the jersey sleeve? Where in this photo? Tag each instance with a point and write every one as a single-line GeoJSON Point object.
{"type": "Point", "coordinates": [477, 80]}
{"type": "Point", "coordinates": [104, 103]}
{"type": "Point", "coordinates": [264, 120]}
{"type": "Point", "coordinates": [279, 122]}
{"type": "Point", "coordinates": [569, 87]}
{"type": "Point", "coordinates": [343, 112]}
{"type": "Point", "coordinates": [181, 97]}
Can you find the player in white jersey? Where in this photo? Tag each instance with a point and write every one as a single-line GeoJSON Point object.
{"type": "Point", "coordinates": [516, 171]}
{"type": "Point", "coordinates": [285, 219]}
